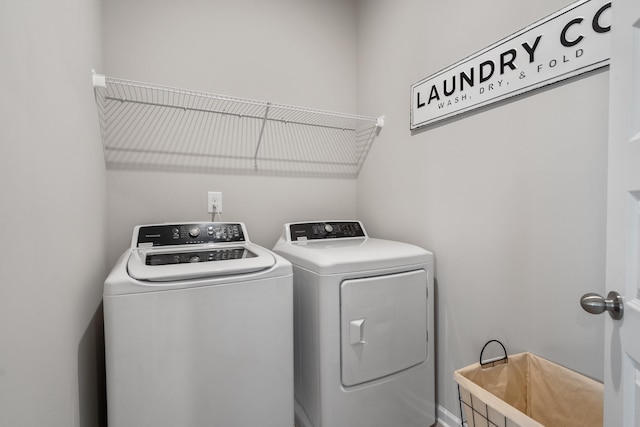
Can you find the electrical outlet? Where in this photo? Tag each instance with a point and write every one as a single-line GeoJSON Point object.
{"type": "Point", "coordinates": [215, 200]}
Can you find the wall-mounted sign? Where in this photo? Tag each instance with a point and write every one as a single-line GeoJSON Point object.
{"type": "Point", "coordinates": [570, 42]}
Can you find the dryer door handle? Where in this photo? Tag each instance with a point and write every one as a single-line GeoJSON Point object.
{"type": "Point", "coordinates": [356, 332]}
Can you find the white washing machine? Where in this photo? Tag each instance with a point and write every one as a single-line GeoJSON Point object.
{"type": "Point", "coordinates": [363, 328]}
{"type": "Point", "coordinates": [198, 330]}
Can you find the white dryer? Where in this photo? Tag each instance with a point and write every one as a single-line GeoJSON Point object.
{"type": "Point", "coordinates": [363, 329]}
{"type": "Point", "coordinates": [198, 330]}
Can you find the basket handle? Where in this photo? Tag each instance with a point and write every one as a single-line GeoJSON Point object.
{"type": "Point", "coordinates": [492, 362]}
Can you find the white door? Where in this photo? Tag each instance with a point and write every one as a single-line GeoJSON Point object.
{"type": "Point", "coordinates": [384, 325]}
{"type": "Point", "coordinates": [622, 337]}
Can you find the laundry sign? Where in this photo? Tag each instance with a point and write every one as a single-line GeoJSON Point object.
{"type": "Point", "coordinates": [570, 42]}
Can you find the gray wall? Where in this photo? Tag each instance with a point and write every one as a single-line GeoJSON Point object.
{"type": "Point", "coordinates": [283, 51]}
{"type": "Point", "coordinates": [510, 199]}
{"type": "Point", "coordinates": [53, 250]}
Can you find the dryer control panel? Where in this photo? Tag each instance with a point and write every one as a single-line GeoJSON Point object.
{"type": "Point", "coordinates": [304, 231]}
{"type": "Point", "coordinates": [190, 233]}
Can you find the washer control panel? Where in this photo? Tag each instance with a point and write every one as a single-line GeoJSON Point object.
{"type": "Point", "coordinates": [190, 233]}
{"type": "Point", "coordinates": [304, 231]}
{"type": "Point", "coordinates": [198, 256]}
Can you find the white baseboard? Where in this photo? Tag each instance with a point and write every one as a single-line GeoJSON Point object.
{"type": "Point", "coordinates": [446, 418]}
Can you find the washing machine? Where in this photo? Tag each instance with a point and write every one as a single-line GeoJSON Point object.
{"type": "Point", "coordinates": [364, 327]}
{"type": "Point", "coordinates": [198, 330]}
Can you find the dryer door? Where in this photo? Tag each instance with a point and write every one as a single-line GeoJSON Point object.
{"type": "Point", "coordinates": [383, 325]}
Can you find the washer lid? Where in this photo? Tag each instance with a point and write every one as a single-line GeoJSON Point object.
{"type": "Point", "coordinates": [351, 255]}
{"type": "Point", "coordinates": [197, 261]}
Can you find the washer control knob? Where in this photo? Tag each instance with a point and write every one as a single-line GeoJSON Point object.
{"type": "Point", "coordinates": [194, 258]}
{"type": "Point", "coordinates": [194, 231]}
{"type": "Point", "coordinates": [328, 228]}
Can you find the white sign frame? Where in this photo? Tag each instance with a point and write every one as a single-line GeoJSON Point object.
{"type": "Point", "coordinates": [567, 43]}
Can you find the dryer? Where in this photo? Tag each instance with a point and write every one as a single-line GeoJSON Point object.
{"type": "Point", "coordinates": [363, 327]}
{"type": "Point", "coordinates": [198, 330]}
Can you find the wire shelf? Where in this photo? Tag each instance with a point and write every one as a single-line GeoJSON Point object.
{"type": "Point", "coordinates": [151, 127]}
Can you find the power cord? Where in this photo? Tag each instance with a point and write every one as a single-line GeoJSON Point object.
{"type": "Point", "coordinates": [214, 212]}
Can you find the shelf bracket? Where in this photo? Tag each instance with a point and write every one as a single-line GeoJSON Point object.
{"type": "Point", "coordinates": [98, 80]}
{"type": "Point", "coordinates": [264, 123]}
